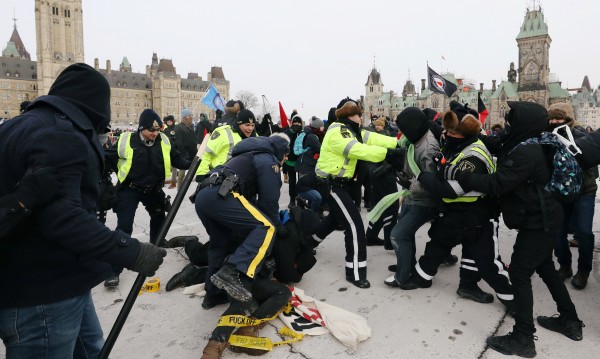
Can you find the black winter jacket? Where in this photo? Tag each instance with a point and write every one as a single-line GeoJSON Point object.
{"type": "Point", "coordinates": [590, 148]}
{"type": "Point", "coordinates": [185, 141]}
{"type": "Point", "coordinates": [61, 250]}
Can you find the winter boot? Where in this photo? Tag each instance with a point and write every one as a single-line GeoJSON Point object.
{"type": "Point", "coordinates": [251, 331]}
{"type": "Point", "coordinates": [571, 328]}
{"type": "Point", "coordinates": [211, 301]}
{"type": "Point", "coordinates": [564, 272]}
{"type": "Point", "coordinates": [450, 260]}
{"type": "Point", "coordinates": [580, 279]}
{"type": "Point", "coordinates": [189, 275]}
{"type": "Point", "coordinates": [474, 293]}
{"type": "Point", "coordinates": [513, 344]}
{"type": "Point", "coordinates": [180, 241]}
{"type": "Point", "coordinates": [235, 283]}
{"type": "Point", "coordinates": [214, 349]}
{"type": "Point", "coordinates": [112, 282]}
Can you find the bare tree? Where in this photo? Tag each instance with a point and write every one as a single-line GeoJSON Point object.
{"type": "Point", "coordinates": [249, 99]}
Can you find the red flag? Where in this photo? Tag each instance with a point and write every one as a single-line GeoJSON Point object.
{"type": "Point", "coordinates": [283, 116]}
{"type": "Point", "coordinates": [481, 109]}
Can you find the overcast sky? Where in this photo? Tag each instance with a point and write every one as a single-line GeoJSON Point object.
{"type": "Point", "coordinates": [309, 54]}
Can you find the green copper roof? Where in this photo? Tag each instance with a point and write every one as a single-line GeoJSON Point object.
{"type": "Point", "coordinates": [509, 88]}
{"type": "Point", "coordinates": [11, 50]}
{"type": "Point", "coordinates": [533, 25]}
{"type": "Point", "coordinates": [556, 91]}
{"type": "Point", "coordinates": [125, 62]}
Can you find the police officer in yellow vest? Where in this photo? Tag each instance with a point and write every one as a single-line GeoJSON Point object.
{"type": "Point", "coordinates": [223, 139]}
{"type": "Point", "coordinates": [142, 161]}
{"type": "Point", "coordinates": [345, 144]}
{"type": "Point", "coordinates": [470, 219]}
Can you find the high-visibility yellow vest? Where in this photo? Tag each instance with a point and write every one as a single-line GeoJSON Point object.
{"type": "Point", "coordinates": [126, 155]}
{"type": "Point", "coordinates": [218, 148]}
{"type": "Point", "coordinates": [478, 150]}
{"type": "Point", "coordinates": [341, 150]}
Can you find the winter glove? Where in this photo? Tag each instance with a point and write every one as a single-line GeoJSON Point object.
{"type": "Point", "coordinates": [149, 259]}
{"type": "Point", "coordinates": [267, 117]}
{"type": "Point", "coordinates": [282, 232]}
{"type": "Point", "coordinates": [381, 169]}
{"type": "Point", "coordinates": [403, 180]}
{"type": "Point", "coordinates": [395, 157]}
{"type": "Point", "coordinates": [40, 187]}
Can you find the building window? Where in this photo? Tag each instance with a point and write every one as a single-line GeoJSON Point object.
{"type": "Point", "coordinates": [54, 10]}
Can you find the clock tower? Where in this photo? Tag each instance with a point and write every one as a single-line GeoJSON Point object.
{"type": "Point", "coordinates": [533, 42]}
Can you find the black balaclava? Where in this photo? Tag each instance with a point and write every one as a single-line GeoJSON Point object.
{"type": "Point", "coordinates": [525, 120]}
{"type": "Point", "coordinates": [413, 123]}
{"type": "Point", "coordinates": [87, 89]}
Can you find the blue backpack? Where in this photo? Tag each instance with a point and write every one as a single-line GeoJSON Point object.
{"type": "Point", "coordinates": [566, 180]}
{"type": "Point", "coordinates": [298, 144]}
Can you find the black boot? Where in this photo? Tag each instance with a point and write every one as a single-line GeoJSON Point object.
{"type": "Point", "coordinates": [375, 241]}
{"type": "Point", "coordinates": [475, 294]}
{"type": "Point", "coordinates": [513, 344]}
{"type": "Point", "coordinates": [235, 283]}
{"type": "Point", "coordinates": [180, 241]}
{"type": "Point", "coordinates": [361, 283]}
{"type": "Point", "coordinates": [189, 275]}
{"type": "Point", "coordinates": [387, 244]}
{"type": "Point", "coordinates": [450, 260]}
{"type": "Point", "coordinates": [112, 282]}
{"type": "Point", "coordinates": [211, 301]}
{"type": "Point", "coordinates": [571, 328]}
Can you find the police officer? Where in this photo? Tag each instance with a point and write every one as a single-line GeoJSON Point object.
{"type": "Point", "coordinates": [470, 219]}
{"type": "Point", "coordinates": [344, 144]}
{"type": "Point", "coordinates": [232, 107]}
{"type": "Point", "coordinates": [222, 140]}
{"type": "Point", "coordinates": [144, 161]}
{"type": "Point", "coordinates": [241, 199]}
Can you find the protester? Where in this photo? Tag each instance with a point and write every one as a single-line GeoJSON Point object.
{"type": "Point", "coordinates": [232, 108]}
{"type": "Point", "coordinates": [289, 166]}
{"type": "Point", "coordinates": [521, 172]}
{"type": "Point", "coordinates": [169, 130]}
{"type": "Point", "coordinates": [308, 147]}
{"type": "Point", "coordinates": [185, 141]}
{"type": "Point", "coordinates": [60, 252]}
{"type": "Point", "coordinates": [203, 128]}
{"type": "Point", "coordinates": [343, 146]}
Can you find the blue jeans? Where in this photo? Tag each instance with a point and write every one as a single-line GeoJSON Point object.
{"type": "Point", "coordinates": [580, 215]}
{"type": "Point", "coordinates": [313, 197]}
{"type": "Point", "coordinates": [65, 329]}
{"type": "Point", "coordinates": [410, 219]}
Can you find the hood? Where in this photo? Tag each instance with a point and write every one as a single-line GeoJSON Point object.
{"type": "Point", "coordinates": [276, 145]}
{"type": "Point", "coordinates": [87, 89]}
{"type": "Point", "coordinates": [525, 120]}
{"type": "Point", "coordinates": [413, 123]}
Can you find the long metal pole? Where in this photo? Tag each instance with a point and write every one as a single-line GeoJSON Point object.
{"type": "Point", "coordinates": [162, 233]}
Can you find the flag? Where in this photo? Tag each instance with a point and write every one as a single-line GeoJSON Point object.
{"type": "Point", "coordinates": [438, 84]}
{"type": "Point", "coordinates": [213, 99]}
{"type": "Point", "coordinates": [481, 109]}
{"type": "Point", "coordinates": [443, 58]}
{"type": "Point", "coordinates": [283, 116]}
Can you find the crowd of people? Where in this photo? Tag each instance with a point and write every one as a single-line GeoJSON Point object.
{"type": "Point", "coordinates": [421, 167]}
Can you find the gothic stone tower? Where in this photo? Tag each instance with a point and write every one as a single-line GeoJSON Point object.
{"type": "Point", "coordinates": [373, 90]}
{"type": "Point", "coordinates": [59, 34]}
{"type": "Point", "coordinates": [533, 42]}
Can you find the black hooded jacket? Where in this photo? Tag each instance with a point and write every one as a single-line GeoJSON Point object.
{"type": "Point", "coordinates": [521, 173]}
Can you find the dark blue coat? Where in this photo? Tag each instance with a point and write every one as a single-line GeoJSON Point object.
{"type": "Point", "coordinates": [61, 250]}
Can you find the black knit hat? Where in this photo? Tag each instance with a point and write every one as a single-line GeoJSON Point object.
{"type": "Point", "coordinates": [149, 120]}
{"type": "Point", "coordinates": [245, 116]}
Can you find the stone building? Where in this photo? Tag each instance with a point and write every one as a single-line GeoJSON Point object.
{"type": "Point", "coordinates": [59, 36]}
{"type": "Point", "coordinates": [531, 81]}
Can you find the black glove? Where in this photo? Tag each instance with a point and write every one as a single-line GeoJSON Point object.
{"type": "Point", "coordinates": [462, 177]}
{"type": "Point", "coordinates": [40, 187]}
{"type": "Point", "coordinates": [381, 169]}
{"type": "Point", "coordinates": [282, 232]}
{"type": "Point", "coordinates": [267, 117]}
{"type": "Point", "coordinates": [403, 180]}
{"type": "Point", "coordinates": [395, 157]}
{"type": "Point", "coordinates": [149, 259]}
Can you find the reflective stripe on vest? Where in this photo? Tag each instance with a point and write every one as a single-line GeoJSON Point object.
{"type": "Point", "coordinates": [478, 150]}
{"type": "Point", "coordinates": [346, 152]}
{"type": "Point", "coordinates": [125, 153]}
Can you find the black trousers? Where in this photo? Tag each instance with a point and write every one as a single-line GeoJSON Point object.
{"type": "Point", "coordinates": [271, 297]}
{"type": "Point", "coordinates": [480, 254]}
{"type": "Point", "coordinates": [381, 187]}
{"type": "Point", "coordinates": [532, 252]}
{"type": "Point", "coordinates": [343, 213]}
{"type": "Point", "coordinates": [292, 179]}
{"type": "Point", "coordinates": [128, 200]}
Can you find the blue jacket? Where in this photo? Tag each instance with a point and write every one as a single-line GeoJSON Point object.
{"type": "Point", "coordinates": [61, 250]}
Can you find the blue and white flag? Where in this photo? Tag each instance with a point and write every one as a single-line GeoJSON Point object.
{"type": "Point", "coordinates": [213, 99]}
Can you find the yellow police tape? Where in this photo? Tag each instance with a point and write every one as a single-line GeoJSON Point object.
{"type": "Point", "coordinates": [151, 285]}
{"type": "Point", "coordinates": [260, 343]}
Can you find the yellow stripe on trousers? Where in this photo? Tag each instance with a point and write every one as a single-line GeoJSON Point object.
{"type": "Point", "coordinates": [262, 251]}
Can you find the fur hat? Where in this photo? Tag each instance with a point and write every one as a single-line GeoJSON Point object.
{"type": "Point", "coordinates": [245, 116]}
{"type": "Point", "coordinates": [561, 110]}
{"type": "Point", "coordinates": [316, 122]}
{"type": "Point", "coordinates": [169, 118]}
{"type": "Point", "coordinates": [347, 107]}
{"type": "Point", "coordinates": [467, 126]}
{"type": "Point", "coordinates": [379, 122]}
{"type": "Point", "coordinates": [149, 120]}
{"type": "Point", "coordinates": [234, 106]}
